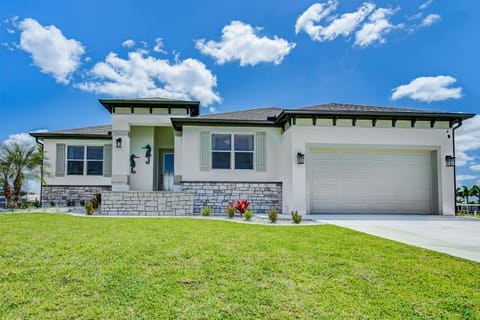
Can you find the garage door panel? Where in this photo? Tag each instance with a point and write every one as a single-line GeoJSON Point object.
{"type": "Point", "coordinates": [370, 181]}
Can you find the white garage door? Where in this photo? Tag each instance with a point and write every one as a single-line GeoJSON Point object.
{"type": "Point", "coordinates": [370, 181]}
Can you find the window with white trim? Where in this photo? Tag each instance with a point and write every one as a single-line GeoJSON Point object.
{"type": "Point", "coordinates": [232, 148]}
{"type": "Point", "coordinates": [85, 160]}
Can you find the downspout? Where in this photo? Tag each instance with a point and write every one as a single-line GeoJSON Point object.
{"type": "Point", "coordinates": [41, 170]}
{"type": "Point", "coordinates": [457, 124]}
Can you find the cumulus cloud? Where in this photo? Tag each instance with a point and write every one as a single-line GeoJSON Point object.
{"type": "Point", "coordinates": [375, 30]}
{"type": "Point", "coordinates": [428, 89]}
{"type": "Point", "coordinates": [51, 51]}
{"type": "Point", "coordinates": [141, 75]}
{"type": "Point", "coordinates": [467, 142]}
{"type": "Point", "coordinates": [475, 167]}
{"type": "Point", "coordinates": [22, 138]}
{"type": "Point", "coordinates": [240, 41]}
{"type": "Point", "coordinates": [465, 177]}
{"type": "Point", "coordinates": [425, 5]}
{"type": "Point", "coordinates": [159, 46]}
{"type": "Point", "coordinates": [430, 19]}
{"type": "Point", "coordinates": [341, 26]}
{"type": "Point", "coordinates": [128, 43]}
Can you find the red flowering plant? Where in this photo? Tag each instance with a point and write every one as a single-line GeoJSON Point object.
{"type": "Point", "coordinates": [242, 206]}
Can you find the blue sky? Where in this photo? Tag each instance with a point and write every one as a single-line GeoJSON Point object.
{"type": "Point", "coordinates": [60, 57]}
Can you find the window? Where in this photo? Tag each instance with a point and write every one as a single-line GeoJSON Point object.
{"type": "Point", "coordinates": [243, 149]}
{"type": "Point", "coordinates": [75, 156]}
{"type": "Point", "coordinates": [221, 149]}
{"type": "Point", "coordinates": [83, 160]}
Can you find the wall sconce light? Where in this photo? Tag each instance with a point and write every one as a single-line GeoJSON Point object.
{"type": "Point", "coordinates": [118, 142]}
{"type": "Point", "coordinates": [450, 161]}
{"type": "Point", "coordinates": [300, 158]}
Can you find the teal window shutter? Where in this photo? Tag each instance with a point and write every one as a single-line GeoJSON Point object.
{"type": "Point", "coordinates": [261, 151]}
{"type": "Point", "coordinates": [107, 160]}
{"type": "Point", "coordinates": [60, 160]}
{"type": "Point", "coordinates": [205, 151]}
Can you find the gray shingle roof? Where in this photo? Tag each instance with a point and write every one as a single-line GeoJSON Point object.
{"type": "Point", "coordinates": [91, 132]}
{"type": "Point", "coordinates": [358, 108]}
{"type": "Point", "coordinates": [101, 130]}
{"type": "Point", "coordinates": [251, 114]}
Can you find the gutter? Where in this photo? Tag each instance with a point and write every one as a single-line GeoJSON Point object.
{"type": "Point", "coordinates": [41, 169]}
{"type": "Point", "coordinates": [455, 126]}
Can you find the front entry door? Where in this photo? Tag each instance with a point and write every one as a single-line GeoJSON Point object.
{"type": "Point", "coordinates": [167, 172]}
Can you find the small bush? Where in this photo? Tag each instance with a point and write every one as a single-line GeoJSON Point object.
{"type": "Point", "coordinates": [36, 204]}
{"type": "Point", "coordinates": [70, 203]}
{"type": "Point", "coordinates": [206, 211]}
{"type": "Point", "coordinates": [242, 206]}
{"type": "Point", "coordinates": [248, 215]}
{"type": "Point", "coordinates": [82, 203]}
{"type": "Point", "coordinates": [230, 210]}
{"type": "Point", "coordinates": [98, 196]}
{"type": "Point", "coordinates": [273, 215]}
{"type": "Point", "coordinates": [52, 204]}
{"type": "Point", "coordinates": [94, 203]}
{"type": "Point", "coordinates": [462, 212]}
{"type": "Point", "coordinates": [297, 218]}
{"type": "Point", "coordinates": [89, 208]}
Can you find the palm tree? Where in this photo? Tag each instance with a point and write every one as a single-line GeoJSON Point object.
{"type": "Point", "coordinates": [459, 195]}
{"type": "Point", "coordinates": [466, 193]}
{"type": "Point", "coordinates": [476, 192]}
{"type": "Point", "coordinates": [5, 174]}
{"type": "Point", "coordinates": [25, 162]}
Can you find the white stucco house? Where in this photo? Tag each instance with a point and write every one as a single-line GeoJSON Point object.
{"type": "Point", "coordinates": [160, 156]}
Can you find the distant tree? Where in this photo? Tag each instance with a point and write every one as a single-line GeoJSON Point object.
{"type": "Point", "coordinates": [459, 195]}
{"type": "Point", "coordinates": [6, 172]}
{"type": "Point", "coordinates": [25, 162]}
{"type": "Point", "coordinates": [476, 192]}
{"type": "Point", "coordinates": [466, 194]}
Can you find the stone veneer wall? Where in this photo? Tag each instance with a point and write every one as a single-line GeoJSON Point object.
{"type": "Point", "coordinates": [262, 195]}
{"type": "Point", "coordinates": [61, 194]}
{"type": "Point", "coordinates": [153, 203]}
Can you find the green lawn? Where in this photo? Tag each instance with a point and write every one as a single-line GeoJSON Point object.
{"type": "Point", "coordinates": [57, 266]}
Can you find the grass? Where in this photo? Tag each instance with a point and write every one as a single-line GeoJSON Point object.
{"type": "Point", "coordinates": [58, 266]}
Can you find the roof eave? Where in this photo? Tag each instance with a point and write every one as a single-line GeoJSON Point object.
{"type": "Point", "coordinates": [46, 135]}
{"type": "Point", "coordinates": [178, 123]}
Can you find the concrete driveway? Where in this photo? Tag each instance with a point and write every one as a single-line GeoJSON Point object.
{"type": "Point", "coordinates": [457, 236]}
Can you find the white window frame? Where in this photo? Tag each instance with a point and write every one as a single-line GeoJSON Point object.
{"type": "Point", "coordinates": [84, 160]}
{"type": "Point", "coordinates": [232, 150]}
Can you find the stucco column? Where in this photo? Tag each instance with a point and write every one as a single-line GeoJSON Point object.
{"type": "Point", "coordinates": [120, 161]}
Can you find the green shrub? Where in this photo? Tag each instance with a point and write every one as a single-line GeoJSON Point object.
{"type": "Point", "coordinates": [206, 211]}
{"type": "Point", "coordinates": [297, 218]}
{"type": "Point", "coordinates": [273, 215]}
{"type": "Point", "coordinates": [82, 203]}
{"type": "Point", "coordinates": [70, 203]}
{"type": "Point", "coordinates": [52, 204]}
{"type": "Point", "coordinates": [230, 210]}
{"type": "Point", "coordinates": [248, 215]}
{"type": "Point", "coordinates": [89, 208]}
{"type": "Point", "coordinates": [462, 212]}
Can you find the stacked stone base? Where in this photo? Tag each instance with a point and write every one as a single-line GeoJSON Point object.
{"type": "Point", "coordinates": [61, 195]}
{"type": "Point", "coordinates": [262, 196]}
{"type": "Point", "coordinates": [155, 203]}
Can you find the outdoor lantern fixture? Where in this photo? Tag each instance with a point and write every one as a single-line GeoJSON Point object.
{"type": "Point", "coordinates": [300, 158]}
{"type": "Point", "coordinates": [450, 161]}
{"type": "Point", "coordinates": [118, 142]}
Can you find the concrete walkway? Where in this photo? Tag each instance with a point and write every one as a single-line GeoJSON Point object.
{"type": "Point", "coordinates": [457, 236]}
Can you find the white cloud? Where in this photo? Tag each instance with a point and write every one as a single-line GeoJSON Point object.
{"type": "Point", "coordinates": [425, 5]}
{"type": "Point", "coordinates": [375, 30]}
{"type": "Point", "coordinates": [314, 14]}
{"type": "Point", "coordinates": [467, 140]}
{"type": "Point", "coordinates": [10, 31]}
{"type": "Point", "coordinates": [146, 76]}
{"type": "Point", "coordinates": [50, 50]}
{"type": "Point", "coordinates": [466, 177]}
{"type": "Point", "coordinates": [7, 46]}
{"type": "Point", "coordinates": [430, 19]}
{"type": "Point", "coordinates": [128, 43]}
{"type": "Point", "coordinates": [159, 46]}
{"type": "Point", "coordinates": [22, 138]}
{"type": "Point", "coordinates": [475, 167]}
{"type": "Point", "coordinates": [341, 26]}
{"type": "Point", "coordinates": [240, 41]}
{"type": "Point", "coordinates": [428, 89]}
